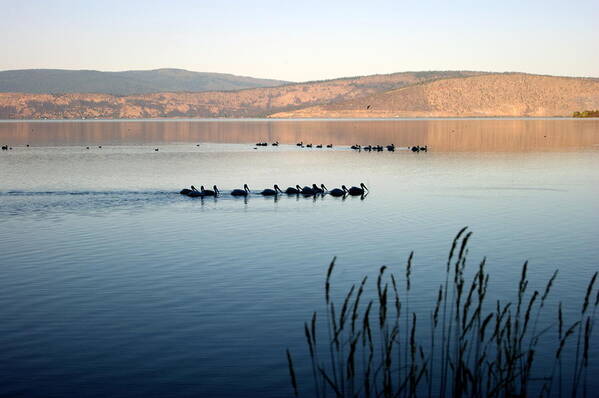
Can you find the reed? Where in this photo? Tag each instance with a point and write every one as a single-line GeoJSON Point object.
{"type": "Point", "coordinates": [474, 348]}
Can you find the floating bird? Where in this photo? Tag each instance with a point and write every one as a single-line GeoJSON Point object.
{"type": "Point", "coordinates": [155, 149]}
{"type": "Point", "coordinates": [356, 191]}
{"type": "Point", "coordinates": [208, 192]}
{"type": "Point", "coordinates": [293, 191]}
{"type": "Point", "coordinates": [271, 192]}
{"type": "Point", "coordinates": [307, 191]}
{"type": "Point", "coordinates": [319, 146]}
{"type": "Point", "coordinates": [301, 143]}
{"type": "Point", "coordinates": [391, 148]}
{"type": "Point", "coordinates": [316, 189]}
{"type": "Point", "coordinates": [330, 146]}
{"type": "Point", "coordinates": [338, 192]}
{"type": "Point", "coordinates": [241, 192]}
{"type": "Point", "coordinates": [309, 146]}
{"type": "Point", "coordinates": [276, 143]}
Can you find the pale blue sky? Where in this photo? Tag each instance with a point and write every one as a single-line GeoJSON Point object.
{"type": "Point", "coordinates": [302, 40]}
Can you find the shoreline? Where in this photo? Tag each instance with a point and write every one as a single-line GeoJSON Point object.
{"type": "Point", "coordinates": [304, 119]}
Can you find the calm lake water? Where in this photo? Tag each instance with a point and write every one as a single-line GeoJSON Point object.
{"type": "Point", "coordinates": [113, 284]}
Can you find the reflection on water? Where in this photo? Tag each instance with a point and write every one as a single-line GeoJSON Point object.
{"type": "Point", "coordinates": [439, 134]}
{"type": "Point", "coordinates": [115, 285]}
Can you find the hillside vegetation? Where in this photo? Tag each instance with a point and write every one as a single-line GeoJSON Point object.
{"type": "Point", "coordinates": [511, 94]}
{"type": "Point", "coordinates": [43, 81]}
{"type": "Point", "coordinates": [258, 102]}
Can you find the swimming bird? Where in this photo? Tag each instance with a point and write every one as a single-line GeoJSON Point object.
{"type": "Point", "coordinates": [186, 191]}
{"type": "Point", "coordinates": [208, 192]}
{"type": "Point", "coordinates": [293, 191]}
{"type": "Point", "coordinates": [391, 148]}
{"type": "Point", "coordinates": [316, 189]}
{"type": "Point", "coordinates": [271, 192]}
{"type": "Point", "coordinates": [307, 191]}
{"type": "Point", "coordinates": [309, 146]}
{"type": "Point", "coordinates": [356, 191]}
{"type": "Point", "coordinates": [319, 146]}
{"type": "Point", "coordinates": [241, 192]}
{"type": "Point", "coordinates": [330, 146]}
{"type": "Point", "coordinates": [338, 192]}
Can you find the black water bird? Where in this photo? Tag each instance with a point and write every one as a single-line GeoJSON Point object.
{"type": "Point", "coordinates": [317, 189]}
{"type": "Point", "coordinates": [309, 146]}
{"type": "Point", "coordinates": [271, 192]}
{"type": "Point", "coordinates": [307, 191]}
{"type": "Point", "coordinates": [276, 143]}
{"type": "Point", "coordinates": [319, 146]}
{"type": "Point", "coordinates": [338, 191]}
{"type": "Point", "coordinates": [241, 192]}
{"type": "Point", "coordinates": [155, 149]}
{"type": "Point", "coordinates": [330, 146]}
{"type": "Point", "coordinates": [301, 143]}
{"type": "Point", "coordinates": [208, 192]}
{"type": "Point", "coordinates": [357, 191]}
{"type": "Point", "coordinates": [293, 191]}
{"type": "Point", "coordinates": [391, 148]}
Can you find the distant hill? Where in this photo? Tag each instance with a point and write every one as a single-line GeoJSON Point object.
{"type": "Point", "coordinates": [43, 81]}
{"type": "Point", "coordinates": [506, 94]}
{"type": "Point", "coordinates": [257, 102]}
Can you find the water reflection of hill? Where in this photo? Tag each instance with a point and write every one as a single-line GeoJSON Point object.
{"type": "Point", "coordinates": [441, 135]}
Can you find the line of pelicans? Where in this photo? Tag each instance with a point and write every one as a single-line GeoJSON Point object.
{"type": "Point", "coordinates": [301, 145]}
{"type": "Point", "coordinates": [390, 148]}
{"type": "Point", "coordinates": [297, 190]}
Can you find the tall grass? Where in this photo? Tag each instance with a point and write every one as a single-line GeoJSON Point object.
{"type": "Point", "coordinates": [466, 347]}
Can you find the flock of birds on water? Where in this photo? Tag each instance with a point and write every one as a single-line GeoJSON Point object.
{"type": "Point", "coordinates": [314, 190]}
{"type": "Point", "coordinates": [359, 148]}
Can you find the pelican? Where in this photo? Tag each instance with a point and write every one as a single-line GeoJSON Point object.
{"type": "Point", "coordinates": [307, 191]}
{"type": "Point", "coordinates": [338, 192]}
{"type": "Point", "coordinates": [271, 192]}
{"type": "Point", "coordinates": [241, 192]}
{"type": "Point", "coordinates": [208, 192]}
{"type": "Point", "coordinates": [355, 191]}
{"type": "Point", "coordinates": [316, 189]}
{"type": "Point", "coordinates": [293, 191]}
{"type": "Point", "coordinates": [188, 192]}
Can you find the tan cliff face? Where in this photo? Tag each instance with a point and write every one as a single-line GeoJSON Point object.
{"type": "Point", "coordinates": [410, 94]}
{"type": "Point", "coordinates": [245, 103]}
{"type": "Point", "coordinates": [477, 96]}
